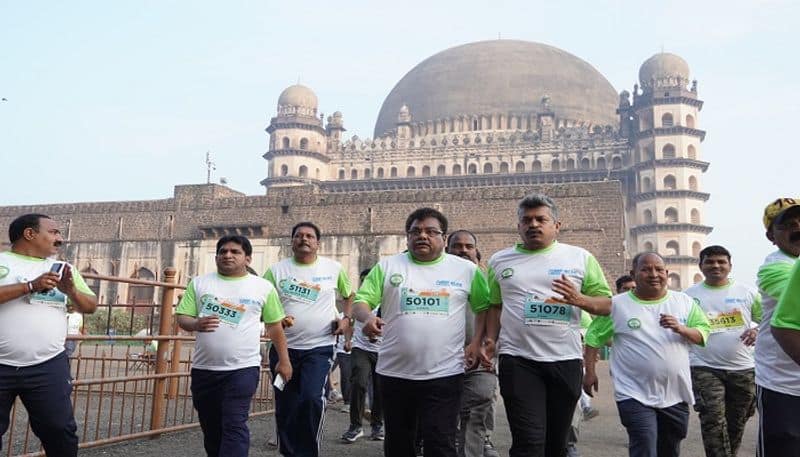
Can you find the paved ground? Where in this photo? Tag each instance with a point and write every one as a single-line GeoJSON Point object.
{"type": "Point", "coordinates": [600, 437]}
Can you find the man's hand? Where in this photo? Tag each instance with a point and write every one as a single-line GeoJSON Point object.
{"type": "Point", "coordinates": [472, 355]}
{"type": "Point", "coordinates": [342, 326]}
{"type": "Point", "coordinates": [47, 281]}
{"type": "Point", "coordinates": [487, 352]}
{"type": "Point", "coordinates": [287, 321]}
{"type": "Point", "coordinates": [670, 322]}
{"type": "Point", "coordinates": [348, 346]}
{"type": "Point", "coordinates": [748, 337]}
{"type": "Point", "coordinates": [284, 368]}
{"type": "Point", "coordinates": [66, 284]}
{"type": "Point", "coordinates": [590, 383]}
{"type": "Point", "coordinates": [373, 328]}
{"type": "Point", "coordinates": [569, 293]}
{"type": "Point", "coordinates": [206, 324]}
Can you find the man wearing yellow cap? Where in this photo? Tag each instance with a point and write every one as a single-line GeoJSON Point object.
{"type": "Point", "coordinates": [777, 375]}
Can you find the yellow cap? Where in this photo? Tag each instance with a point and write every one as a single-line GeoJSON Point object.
{"type": "Point", "coordinates": [774, 209]}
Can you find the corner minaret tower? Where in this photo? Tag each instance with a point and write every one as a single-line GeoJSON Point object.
{"type": "Point", "coordinates": [666, 209]}
{"type": "Point", "coordinates": [297, 152]}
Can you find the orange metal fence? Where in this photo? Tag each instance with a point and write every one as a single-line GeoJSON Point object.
{"type": "Point", "coordinates": [124, 391]}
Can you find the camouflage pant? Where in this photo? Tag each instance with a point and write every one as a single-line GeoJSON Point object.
{"type": "Point", "coordinates": [724, 400]}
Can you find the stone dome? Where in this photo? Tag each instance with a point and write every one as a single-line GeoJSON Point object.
{"type": "Point", "coordinates": [663, 66]}
{"type": "Point", "coordinates": [298, 95]}
{"type": "Point", "coordinates": [501, 76]}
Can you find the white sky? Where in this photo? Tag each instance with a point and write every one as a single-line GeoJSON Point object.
{"type": "Point", "coordinates": [121, 100]}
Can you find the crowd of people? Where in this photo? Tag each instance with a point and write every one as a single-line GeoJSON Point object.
{"type": "Point", "coordinates": [432, 333]}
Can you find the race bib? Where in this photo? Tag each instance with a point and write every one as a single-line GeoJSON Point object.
{"type": "Point", "coordinates": [52, 297]}
{"type": "Point", "coordinates": [722, 322]}
{"type": "Point", "coordinates": [228, 313]}
{"type": "Point", "coordinates": [544, 312]}
{"type": "Point", "coordinates": [435, 302]}
{"type": "Point", "coordinates": [305, 291]}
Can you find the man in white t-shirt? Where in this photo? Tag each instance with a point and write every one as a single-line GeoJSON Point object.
{"type": "Point", "coordinates": [307, 285]}
{"type": "Point", "coordinates": [33, 310]}
{"type": "Point", "coordinates": [538, 289]}
{"type": "Point", "coordinates": [777, 380]}
{"type": "Point", "coordinates": [74, 327]}
{"type": "Point", "coordinates": [653, 329]}
{"type": "Point", "coordinates": [723, 377]}
{"type": "Point", "coordinates": [226, 309]}
{"type": "Point", "coordinates": [423, 295]}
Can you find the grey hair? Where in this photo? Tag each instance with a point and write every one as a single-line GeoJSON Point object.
{"type": "Point", "coordinates": [531, 201]}
{"type": "Point", "coordinates": [638, 257]}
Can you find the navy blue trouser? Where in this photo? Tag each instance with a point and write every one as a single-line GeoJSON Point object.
{"type": "Point", "coordinates": [300, 407]}
{"type": "Point", "coordinates": [222, 400]}
{"type": "Point", "coordinates": [45, 390]}
{"type": "Point", "coordinates": [654, 432]}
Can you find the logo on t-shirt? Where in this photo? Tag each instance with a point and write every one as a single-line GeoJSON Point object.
{"type": "Point", "coordinates": [4, 271]}
{"type": "Point", "coordinates": [507, 273]}
{"type": "Point", "coordinates": [634, 323]}
{"type": "Point", "coordinates": [396, 279]}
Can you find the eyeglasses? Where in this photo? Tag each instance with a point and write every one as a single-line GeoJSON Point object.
{"type": "Point", "coordinates": [415, 232]}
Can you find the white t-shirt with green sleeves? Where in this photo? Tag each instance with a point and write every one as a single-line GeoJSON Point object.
{"type": "Point", "coordinates": [308, 292]}
{"type": "Point", "coordinates": [423, 306]}
{"type": "Point", "coordinates": [33, 326]}
{"type": "Point", "coordinates": [533, 326]}
{"type": "Point", "coordinates": [787, 312]}
{"type": "Point", "coordinates": [775, 370]}
{"type": "Point", "coordinates": [649, 363]}
{"type": "Point", "coordinates": [731, 309]}
{"type": "Point", "coordinates": [241, 303]}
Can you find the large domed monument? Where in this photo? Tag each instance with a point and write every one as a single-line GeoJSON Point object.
{"type": "Point", "coordinates": [469, 130]}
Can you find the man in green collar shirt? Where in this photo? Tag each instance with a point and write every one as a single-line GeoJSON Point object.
{"type": "Point", "coordinates": [423, 295]}
{"type": "Point", "coordinates": [33, 312]}
{"type": "Point", "coordinates": [537, 290]}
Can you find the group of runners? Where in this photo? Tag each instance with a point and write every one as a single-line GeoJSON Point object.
{"type": "Point", "coordinates": [434, 333]}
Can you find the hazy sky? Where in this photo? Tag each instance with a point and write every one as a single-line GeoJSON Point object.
{"type": "Point", "coordinates": [121, 100]}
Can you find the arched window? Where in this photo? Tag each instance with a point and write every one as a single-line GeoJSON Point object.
{"type": "Point", "coordinates": [698, 278]}
{"type": "Point", "coordinates": [520, 168]}
{"type": "Point", "coordinates": [474, 124]}
{"type": "Point", "coordinates": [341, 174]}
{"type": "Point", "coordinates": [536, 166]}
{"type": "Point", "coordinates": [353, 174]}
{"type": "Point", "coordinates": [410, 172]}
{"type": "Point", "coordinates": [284, 170]}
{"type": "Point", "coordinates": [503, 167]}
{"type": "Point", "coordinates": [692, 183]}
{"type": "Point", "coordinates": [690, 121]}
{"type": "Point", "coordinates": [669, 182]}
{"type": "Point", "coordinates": [456, 169]}
{"type": "Point", "coordinates": [141, 295]}
{"type": "Point", "coordinates": [380, 172]}
{"type": "Point", "coordinates": [647, 215]}
{"type": "Point", "coordinates": [585, 163]}
{"type": "Point", "coordinates": [666, 120]}
{"type": "Point", "coordinates": [673, 248]}
{"type": "Point", "coordinates": [367, 173]}
{"type": "Point", "coordinates": [94, 284]}
{"type": "Point", "coordinates": [668, 151]}
{"type": "Point", "coordinates": [696, 248]}
{"type": "Point", "coordinates": [570, 164]}
{"type": "Point", "coordinates": [671, 216]}
{"type": "Point", "coordinates": [694, 216]}
{"type": "Point", "coordinates": [601, 163]}
{"type": "Point", "coordinates": [441, 170]}
{"type": "Point", "coordinates": [304, 143]}
{"type": "Point", "coordinates": [472, 169]}
{"type": "Point", "coordinates": [691, 152]}
{"type": "Point", "coordinates": [303, 171]}
{"type": "Point", "coordinates": [285, 142]}
{"type": "Point", "coordinates": [555, 166]}
{"type": "Point", "coordinates": [648, 247]}
{"type": "Point", "coordinates": [616, 163]}
{"type": "Point", "coordinates": [426, 170]}
{"type": "Point", "coordinates": [487, 168]}
{"type": "Point", "coordinates": [647, 154]}
{"type": "Point", "coordinates": [674, 281]}
{"type": "Point", "coordinates": [647, 186]}
{"type": "Point", "coordinates": [393, 172]}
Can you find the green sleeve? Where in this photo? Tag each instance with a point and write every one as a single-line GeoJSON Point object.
{"type": "Point", "coordinates": [495, 297]}
{"type": "Point", "coordinates": [757, 310]}
{"type": "Point", "coordinates": [371, 290]}
{"type": "Point", "coordinates": [343, 284]}
{"type": "Point", "coordinates": [479, 292]}
{"type": "Point", "coordinates": [272, 311]}
{"type": "Point", "coordinates": [270, 277]}
{"type": "Point", "coordinates": [188, 304]}
{"type": "Point", "coordinates": [697, 320]}
{"type": "Point", "coordinates": [594, 281]}
{"type": "Point", "coordinates": [600, 331]}
{"type": "Point", "coordinates": [586, 319]}
{"type": "Point", "coordinates": [787, 312]}
{"type": "Point", "coordinates": [772, 278]}
{"type": "Point", "coordinates": [80, 284]}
